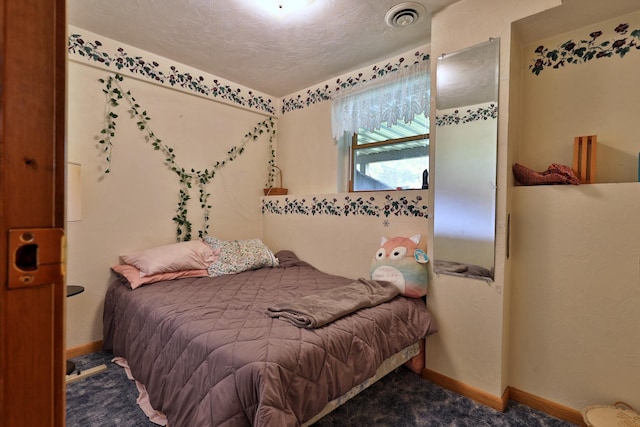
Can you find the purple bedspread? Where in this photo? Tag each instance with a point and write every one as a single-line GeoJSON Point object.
{"type": "Point", "coordinates": [210, 355]}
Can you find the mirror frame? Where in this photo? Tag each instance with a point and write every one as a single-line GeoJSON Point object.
{"type": "Point", "coordinates": [464, 229]}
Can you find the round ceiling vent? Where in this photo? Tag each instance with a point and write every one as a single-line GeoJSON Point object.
{"type": "Point", "coordinates": [404, 14]}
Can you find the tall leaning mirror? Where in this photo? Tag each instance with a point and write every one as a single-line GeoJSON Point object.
{"type": "Point", "coordinates": [466, 138]}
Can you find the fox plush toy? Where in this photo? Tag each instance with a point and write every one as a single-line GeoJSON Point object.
{"type": "Point", "coordinates": [400, 261]}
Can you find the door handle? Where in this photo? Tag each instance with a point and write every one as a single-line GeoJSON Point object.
{"type": "Point", "coordinates": [36, 256]}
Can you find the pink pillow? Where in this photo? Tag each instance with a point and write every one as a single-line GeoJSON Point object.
{"type": "Point", "coordinates": [131, 275]}
{"type": "Point", "coordinates": [191, 255]}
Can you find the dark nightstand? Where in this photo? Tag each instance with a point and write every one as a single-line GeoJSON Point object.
{"type": "Point", "coordinates": [71, 291]}
{"type": "Point", "coordinates": [74, 290]}
{"type": "Point", "coordinates": [72, 375]}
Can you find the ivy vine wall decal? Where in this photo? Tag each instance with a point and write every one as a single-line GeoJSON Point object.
{"type": "Point", "coordinates": [188, 178]}
{"type": "Point", "coordinates": [579, 52]}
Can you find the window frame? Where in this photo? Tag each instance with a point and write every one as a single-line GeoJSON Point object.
{"type": "Point", "coordinates": [355, 147]}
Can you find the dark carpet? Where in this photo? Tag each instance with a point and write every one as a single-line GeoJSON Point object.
{"type": "Point", "coordinates": [402, 398]}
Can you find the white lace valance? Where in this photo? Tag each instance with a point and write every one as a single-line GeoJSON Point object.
{"type": "Point", "coordinates": [397, 96]}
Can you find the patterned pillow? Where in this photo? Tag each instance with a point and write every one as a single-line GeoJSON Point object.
{"type": "Point", "coordinates": [239, 255]}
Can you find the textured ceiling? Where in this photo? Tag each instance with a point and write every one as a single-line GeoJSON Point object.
{"type": "Point", "coordinates": [277, 51]}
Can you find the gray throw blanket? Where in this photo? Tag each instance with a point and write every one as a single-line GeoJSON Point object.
{"type": "Point", "coordinates": [314, 311]}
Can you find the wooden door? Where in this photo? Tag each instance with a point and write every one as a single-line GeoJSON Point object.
{"type": "Point", "coordinates": [32, 164]}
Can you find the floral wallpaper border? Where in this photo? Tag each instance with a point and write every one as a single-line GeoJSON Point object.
{"type": "Point", "coordinates": [591, 47]}
{"type": "Point", "coordinates": [93, 50]}
{"type": "Point", "coordinates": [324, 92]}
{"type": "Point", "coordinates": [347, 205]}
{"type": "Point", "coordinates": [121, 59]}
{"type": "Point", "coordinates": [468, 116]}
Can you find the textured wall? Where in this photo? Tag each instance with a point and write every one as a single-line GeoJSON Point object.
{"type": "Point", "coordinates": [472, 343]}
{"type": "Point", "coordinates": [132, 207]}
{"type": "Point", "coordinates": [340, 233]}
{"type": "Point", "coordinates": [576, 256]}
{"type": "Point", "coordinates": [569, 95]}
{"type": "Point", "coordinates": [576, 290]}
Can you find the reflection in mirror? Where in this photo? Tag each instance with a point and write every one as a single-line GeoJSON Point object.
{"type": "Point", "coordinates": [466, 134]}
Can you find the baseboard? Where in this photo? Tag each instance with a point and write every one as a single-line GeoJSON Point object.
{"type": "Point", "coordinates": [499, 403]}
{"type": "Point", "coordinates": [552, 408]}
{"type": "Point", "coordinates": [81, 350]}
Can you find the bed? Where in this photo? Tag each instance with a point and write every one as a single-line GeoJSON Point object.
{"type": "Point", "coordinates": [208, 354]}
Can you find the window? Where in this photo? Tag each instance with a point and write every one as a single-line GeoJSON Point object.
{"type": "Point", "coordinates": [391, 157]}
{"type": "Point", "coordinates": [389, 116]}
